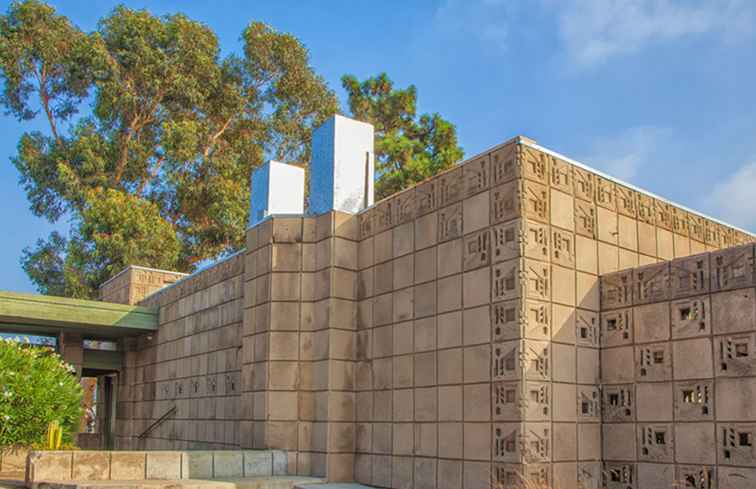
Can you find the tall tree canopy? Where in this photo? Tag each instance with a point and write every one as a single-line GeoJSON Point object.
{"type": "Point", "coordinates": [408, 148]}
{"type": "Point", "coordinates": [152, 135]}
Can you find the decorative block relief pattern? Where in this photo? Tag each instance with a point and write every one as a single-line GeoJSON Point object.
{"type": "Point", "coordinates": [456, 331]}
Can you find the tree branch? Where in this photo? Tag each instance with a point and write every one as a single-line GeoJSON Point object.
{"type": "Point", "coordinates": [45, 99]}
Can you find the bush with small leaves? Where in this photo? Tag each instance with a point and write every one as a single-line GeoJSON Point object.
{"type": "Point", "coordinates": [36, 388]}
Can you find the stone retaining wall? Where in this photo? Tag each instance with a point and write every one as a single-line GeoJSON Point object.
{"type": "Point", "coordinates": [154, 465]}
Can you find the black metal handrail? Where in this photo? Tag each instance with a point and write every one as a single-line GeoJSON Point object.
{"type": "Point", "coordinates": [157, 422]}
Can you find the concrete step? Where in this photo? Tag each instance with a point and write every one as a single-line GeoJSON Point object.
{"type": "Point", "coordinates": [275, 482]}
{"type": "Point", "coordinates": [332, 485]}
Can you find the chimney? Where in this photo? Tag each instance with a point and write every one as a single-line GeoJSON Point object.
{"type": "Point", "coordinates": [342, 167]}
{"type": "Point", "coordinates": [277, 188]}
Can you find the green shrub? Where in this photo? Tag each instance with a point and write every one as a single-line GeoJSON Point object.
{"type": "Point", "coordinates": [36, 388]}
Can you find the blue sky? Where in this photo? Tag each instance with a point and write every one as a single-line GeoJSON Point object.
{"type": "Point", "coordinates": [657, 92]}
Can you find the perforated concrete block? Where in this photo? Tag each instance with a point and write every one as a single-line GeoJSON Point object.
{"type": "Point", "coordinates": [651, 283]}
{"type": "Point", "coordinates": [507, 400]}
{"type": "Point", "coordinates": [732, 268]}
{"type": "Point", "coordinates": [619, 475]}
{"type": "Point", "coordinates": [536, 359]}
{"type": "Point", "coordinates": [735, 354]}
{"type": "Point", "coordinates": [736, 444]}
{"type": "Point", "coordinates": [537, 283]}
{"type": "Point", "coordinates": [584, 183]}
{"type": "Point", "coordinates": [507, 446]}
{"type": "Point", "coordinates": [508, 240]}
{"type": "Point", "coordinates": [690, 276]}
{"type": "Point", "coordinates": [507, 280]}
{"type": "Point", "coordinates": [506, 203]}
{"type": "Point", "coordinates": [617, 290]}
{"type": "Point", "coordinates": [450, 222]}
{"type": "Point", "coordinates": [696, 475]}
{"type": "Point", "coordinates": [691, 317]}
{"type": "Point", "coordinates": [535, 201]}
{"type": "Point", "coordinates": [588, 403]}
{"type": "Point", "coordinates": [563, 248]}
{"type": "Point", "coordinates": [656, 442]}
{"type": "Point", "coordinates": [654, 401]}
{"type": "Point", "coordinates": [585, 219]}
{"type": "Point", "coordinates": [694, 400]}
{"type": "Point", "coordinates": [589, 475]}
{"type": "Point", "coordinates": [535, 241]}
{"type": "Point", "coordinates": [617, 327]}
{"type": "Point", "coordinates": [536, 446]}
{"type": "Point", "coordinates": [653, 362]}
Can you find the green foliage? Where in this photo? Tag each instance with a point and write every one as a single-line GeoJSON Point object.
{"type": "Point", "coordinates": [36, 389]}
{"type": "Point", "coordinates": [157, 173]}
{"type": "Point", "coordinates": [408, 148]}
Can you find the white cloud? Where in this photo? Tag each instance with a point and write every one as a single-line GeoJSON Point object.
{"type": "Point", "coordinates": [622, 155]}
{"type": "Point", "coordinates": [596, 30]}
{"type": "Point", "coordinates": [734, 199]}
{"type": "Point", "coordinates": [593, 31]}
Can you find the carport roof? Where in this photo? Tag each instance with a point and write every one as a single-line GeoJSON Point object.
{"type": "Point", "coordinates": [44, 314]}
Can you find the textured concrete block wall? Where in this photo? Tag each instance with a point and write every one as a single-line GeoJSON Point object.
{"type": "Point", "coordinates": [453, 333]}
{"type": "Point", "coordinates": [299, 342]}
{"type": "Point", "coordinates": [191, 363]}
{"type": "Point", "coordinates": [479, 312]}
{"type": "Point", "coordinates": [678, 370]}
{"type": "Point", "coordinates": [134, 284]}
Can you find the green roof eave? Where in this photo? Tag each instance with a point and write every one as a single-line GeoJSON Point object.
{"type": "Point", "coordinates": [44, 314]}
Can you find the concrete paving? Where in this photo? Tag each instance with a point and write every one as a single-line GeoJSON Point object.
{"type": "Point", "coordinates": [333, 485]}
{"type": "Point", "coordinates": [275, 482]}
